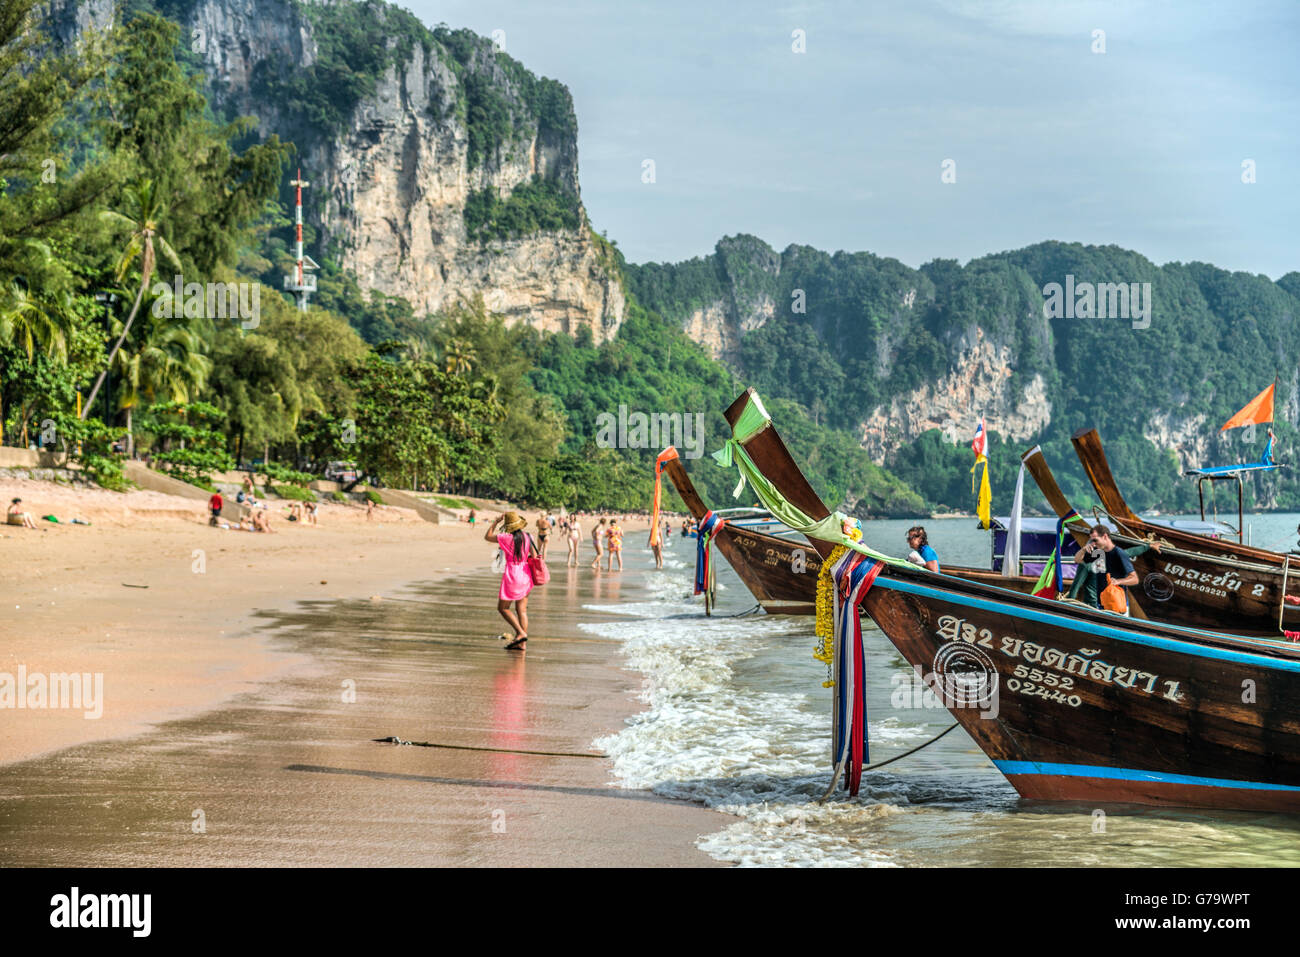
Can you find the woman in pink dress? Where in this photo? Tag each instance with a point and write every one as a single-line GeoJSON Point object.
{"type": "Point", "coordinates": [516, 580]}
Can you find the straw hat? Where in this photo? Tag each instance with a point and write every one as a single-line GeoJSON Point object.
{"type": "Point", "coordinates": [513, 522]}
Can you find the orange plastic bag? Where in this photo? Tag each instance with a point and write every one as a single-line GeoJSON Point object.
{"type": "Point", "coordinates": [1114, 598]}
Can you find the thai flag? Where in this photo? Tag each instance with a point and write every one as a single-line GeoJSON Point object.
{"type": "Point", "coordinates": [980, 445]}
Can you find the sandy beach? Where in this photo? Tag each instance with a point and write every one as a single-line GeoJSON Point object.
{"type": "Point", "coordinates": [246, 675]}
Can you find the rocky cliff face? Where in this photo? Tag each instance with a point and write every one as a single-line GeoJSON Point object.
{"type": "Point", "coordinates": [978, 384]}
{"type": "Point", "coordinates": [390, 184]}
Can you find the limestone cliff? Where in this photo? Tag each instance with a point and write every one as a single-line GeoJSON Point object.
{"type": "Point", "coordinates": [396, 146]}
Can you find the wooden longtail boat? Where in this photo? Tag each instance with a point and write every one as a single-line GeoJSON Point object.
{"type": "Point", "coordinates": [1193, 579]}
{"type": "Point", "coordinates": [1086, 705]}
{"type": "Point", "coordinates": [781, 572]}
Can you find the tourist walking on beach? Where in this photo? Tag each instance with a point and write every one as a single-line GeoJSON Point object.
{"type": "Point", "coordinates": [597, 534]}
{"type": "Point", "coordinates": [516, 581]}
{"type": "Point", "coordinates": [615, 538]}
{"type": "Point", "coordinates": [575, 542]}
{"type": "Point", "coordinates": [543, 533]}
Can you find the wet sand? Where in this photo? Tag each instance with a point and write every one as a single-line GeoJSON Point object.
{"type": "Point", "coordinates": [285, 772]}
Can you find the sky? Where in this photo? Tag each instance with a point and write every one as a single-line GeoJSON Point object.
{"type": "Point", "coordinates": [844, 145]}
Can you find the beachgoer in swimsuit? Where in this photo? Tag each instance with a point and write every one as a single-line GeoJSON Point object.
{"type": "Point", "coordinates": [615, 537]}
{"type": "Point", "coordinates": [575, 542]}
{"type": "Point", "coordinates": [543, 533]}
{"type": "Point", "coordinates": [597, 534]}
{"type": "Point", "coordinates": [18, 517]}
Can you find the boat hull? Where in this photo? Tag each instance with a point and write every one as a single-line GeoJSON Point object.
{"type": "Point", "coordinates": [1089, 711]}
{"type": "Point", "coordinates": [780, 573]}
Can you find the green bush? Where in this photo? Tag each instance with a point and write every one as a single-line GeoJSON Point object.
{"type": "Point", "coordinates": [280, 473]}
{"type": "Point", "coordinates": [338, 496]}
{"type": "Point", "coordinates": [293, 492]}
{"type": "Point", "coordinates": [373, 496]}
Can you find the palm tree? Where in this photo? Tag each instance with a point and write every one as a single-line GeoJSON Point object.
{"type": "Point", "coordinates": [459, 356]}
{"type": "Point", "coordinates": [145, 212]}
{"type": "Point", "coordinates": [31, 323]}
{"type": "Point", "coordinates": [168, 366]}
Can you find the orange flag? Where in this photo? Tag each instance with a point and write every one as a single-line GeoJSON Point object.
{"type": "Point", "coordinates": [1255, 412]}
{"type": "Point", "coordinates": [666, 456]}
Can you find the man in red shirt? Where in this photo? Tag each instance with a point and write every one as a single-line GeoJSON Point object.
{"type": "Point", "coordinates": [214, 504]}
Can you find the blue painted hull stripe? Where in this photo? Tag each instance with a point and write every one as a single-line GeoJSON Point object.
{"type": "Point", "coordinates": [1128, 774]}
{"type": "Point", "coordinates": [1075, 624]}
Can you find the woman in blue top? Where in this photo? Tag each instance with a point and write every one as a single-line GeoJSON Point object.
{"type": "Point", "coordinates": [925, 556]}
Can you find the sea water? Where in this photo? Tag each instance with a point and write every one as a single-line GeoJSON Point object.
{"type": "Point", "coordinates": [736, 718]}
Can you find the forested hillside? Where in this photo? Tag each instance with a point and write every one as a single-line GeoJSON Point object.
{"type": "Point", "coordinates": [869, 345]}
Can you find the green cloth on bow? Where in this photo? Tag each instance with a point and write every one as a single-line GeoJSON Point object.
{"type": "Point", "coordinates": [752, 420]}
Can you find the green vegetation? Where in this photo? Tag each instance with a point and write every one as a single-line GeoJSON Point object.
{"type": "Point", "coordinates": [447, 501]}
{"type": "Point", "coordinates": [373, 496]}
{"type": "Point", "coordinates": [540, 205]}
{"type": "Point", "coordinates": [189, 445]}
{"type": "Point", "coordinates": [292, 492]}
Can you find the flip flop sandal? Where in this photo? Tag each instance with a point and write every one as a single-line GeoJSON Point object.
{"type": "Point", "coordinates": [517, 644]}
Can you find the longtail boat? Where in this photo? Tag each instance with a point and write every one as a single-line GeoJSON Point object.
{"type": "Point", "coordinates": [780, 571]}
{"type": "Point", "coordinates": [1068, 702]}
{"type": "Point", "coordinates": [1194, 579]}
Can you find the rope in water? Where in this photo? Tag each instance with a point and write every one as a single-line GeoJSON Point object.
{"type": "Point", "coordinates": [742, 614]}
{"type": "Point", "coordinates": [394, 739]}
{"type": "Point", "coordinates": [880, 764]}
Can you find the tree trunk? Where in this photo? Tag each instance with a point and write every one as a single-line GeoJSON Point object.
{"type": "Point", "coordinates": [146, 267]}
{"type": "Point", "coordinates": [130, 436]}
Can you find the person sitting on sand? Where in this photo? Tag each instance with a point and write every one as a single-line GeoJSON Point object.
{"type": "Point", "coordinates": [18, 517]}
{"type": "Point", "coordinates": [262, 521]}
{"type": "Point", "coordinates": [516, 581]}
{"type": "Point", "coordinates": [615, 538]}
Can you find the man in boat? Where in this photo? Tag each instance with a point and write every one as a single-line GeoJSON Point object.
{"type": "Point", "coordinates": [1100, 558]}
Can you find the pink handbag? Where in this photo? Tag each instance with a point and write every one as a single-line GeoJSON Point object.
{"type": "Point", "coordinates": [536, 567]}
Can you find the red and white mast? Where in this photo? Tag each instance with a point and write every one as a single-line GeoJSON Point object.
{"type": "Point", "coordinates": [301, 283]}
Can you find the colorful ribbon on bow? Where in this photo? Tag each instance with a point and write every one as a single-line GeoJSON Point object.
{"type": "Point", "coordinates": [854, 574]}
{"type": "Point", "coordinates": [710, 525]}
